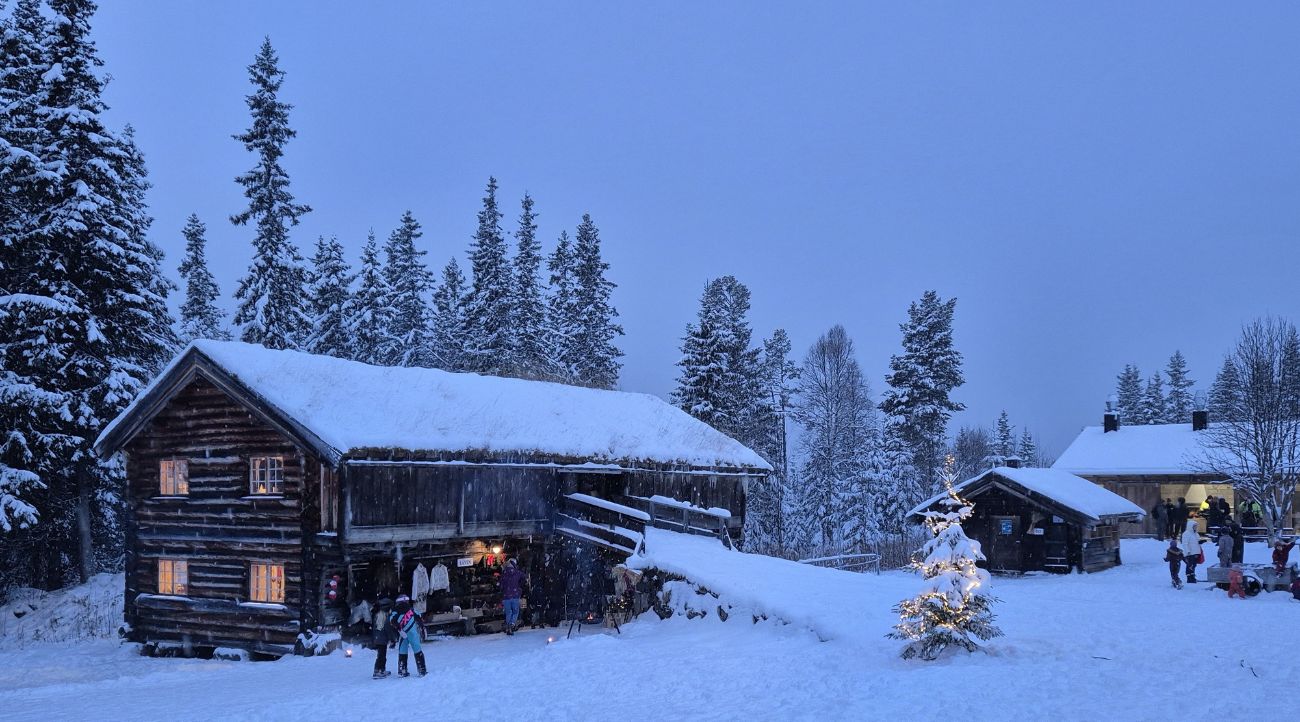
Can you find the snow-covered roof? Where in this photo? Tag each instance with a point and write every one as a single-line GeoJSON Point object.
{"type": "Point", "coordinates": [1070, 491]}
{"type": "Point", "coordinates": [349, 405]}
{"type": "Point", "coordinates": [1134, 450]}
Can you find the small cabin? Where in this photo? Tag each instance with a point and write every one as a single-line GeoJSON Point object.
{"type": "Point", "coordinates": [273, 494]}
{"type": "Point", "coordinates": [1030, 519]}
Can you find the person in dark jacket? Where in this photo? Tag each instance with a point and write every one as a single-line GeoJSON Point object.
{"type": "Point", "coordinates": [1295, 589]}
{"type": "Point", "coordinates": [1178, 520]}
{"type": "Point", "coordinates": [1174, 556]}
{"type": "Point", "coordinates": [381, 635]}
{"type": "Point", "coordinates": [1170, 531]}
{"type": "Point", "coordinates": [409, 626]}
{"type": "Point", "coordinates": [1160, 520]}
{"type": "Point", "coordinates": [512, 588]}
{"type": "Point", "coordinates": [1238, 541]}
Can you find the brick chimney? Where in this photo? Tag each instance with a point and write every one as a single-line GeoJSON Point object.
{"type": "Point", "coordinates": [1110, 420]}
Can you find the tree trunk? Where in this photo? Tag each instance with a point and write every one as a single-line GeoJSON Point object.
{"type": "Point", "coordinates": [85, 544]}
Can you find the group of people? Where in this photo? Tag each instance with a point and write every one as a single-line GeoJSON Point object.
{"type": "Point", "coordinates": [399, 625]}
{"type": "Point", "coordinates": [1170, 519]}
{"type": "Point", "coordinates": [1185, 553]}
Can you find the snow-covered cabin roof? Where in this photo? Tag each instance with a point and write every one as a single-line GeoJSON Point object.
{"type": "Point", "coordinates": [1072, 492]}
{"type": "Point", "coordinates": [1134, 451]}
{"type": "Point", "coordinates": [340, 406]}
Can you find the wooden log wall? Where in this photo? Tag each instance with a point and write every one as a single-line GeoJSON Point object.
{"type": "Point", "coordinates": [394, 495]}
{"type": "Point", "coordinates": [219, 528]}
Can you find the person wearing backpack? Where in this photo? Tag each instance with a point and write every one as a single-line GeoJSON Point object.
{"type": "Point", "coordinates": [382, 634]}
{"type": "Point", "coordinates": [409, 626]}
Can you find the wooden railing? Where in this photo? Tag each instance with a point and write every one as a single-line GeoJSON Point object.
{"type": "Point", "coordinates": [847, 562]}
{"type": "Point", "coordinates": [675, 515]}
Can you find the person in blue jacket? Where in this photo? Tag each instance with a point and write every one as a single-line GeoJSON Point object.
{"type": "Point", "coordinates": [409, 626]}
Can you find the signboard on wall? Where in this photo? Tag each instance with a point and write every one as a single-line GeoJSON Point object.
{"type": "Point", "coordinates": [465, 562]}
{"type": "Point", "coordinates": [1004, 526]}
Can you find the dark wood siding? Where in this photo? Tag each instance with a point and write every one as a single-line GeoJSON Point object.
{"type": "Point", "coordinates": [219, 528]}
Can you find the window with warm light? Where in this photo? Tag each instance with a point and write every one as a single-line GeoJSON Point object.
{"type": "Point", "coordinates": [174, 477]}
{"type": "Point", "coordinates": [173, 577]}
{"type": "Point", "coordinates": [266, 475]}
{"type": "Point", "coordinates": [266, 583]}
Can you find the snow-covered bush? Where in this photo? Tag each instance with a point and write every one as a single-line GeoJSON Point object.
{"type": "Point", "coordinates": [86, 611]}
{"type": "Point", "coordinates": [954, 607]}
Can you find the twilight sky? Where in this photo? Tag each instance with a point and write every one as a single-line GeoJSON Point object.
{"type": "Point", "coordinates": [1097, 183]}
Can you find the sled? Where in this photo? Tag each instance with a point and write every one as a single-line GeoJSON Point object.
{"type": "Point", "coordinates": [1254, 577]}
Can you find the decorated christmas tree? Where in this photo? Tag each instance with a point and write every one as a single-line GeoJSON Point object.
{"type": "Point", "coordinates": [954, 608]}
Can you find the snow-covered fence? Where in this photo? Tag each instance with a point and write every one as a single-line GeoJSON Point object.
{"type": "Point", "coordinates": [847, 562]}
{"type": "Point", "coordinates": [677, 515]}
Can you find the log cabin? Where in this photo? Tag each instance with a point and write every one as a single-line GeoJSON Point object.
{"type": "Point", "coordinates": [271, 494]}
{"type": "Point", "coordinates": [1029, 519]}
{"type": "Point", "coordinates": [1149, 463]}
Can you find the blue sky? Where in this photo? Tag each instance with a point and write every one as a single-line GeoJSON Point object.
{"type": "Point", "coordinates": [1097, 183]}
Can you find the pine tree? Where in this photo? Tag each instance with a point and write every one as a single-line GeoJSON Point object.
{"type": "Point", "coordinates": [1028, 451]}
{"type": "Point", "coordinates": [971, 451]}
{"type": "Point", "coordinates": [409, 283]}
{"type": "Point", "coordinates": [594, 355]}
{"type": "Point", "coordinates": [1153, 401]}
{"type": "Point", "coordinates": [528, 344]}
{"type": "Point", "coordinates": [330, 303]}
{"type": "Point", "coordinates": [1004, 440]}
{"type": "Point", "coordinates": [1226, 393]}
{"type": "Point", "coordinates": [720, 382]}
{"type": "Point", "coordinates": [1179, 402]}
{"type": "Point", "coordinates": [839, 431]}
{"type": "Point", "coordinates": [921, 381]}
{"type": "Point", "coordinates": [487, 307]}
{"type": "Point", "coordinates": [1128, 394]}
{"type": "Point", "coordinates": [765, 504]}
{"type": "Point", "coordinates": [450, 332]}
{"type": "Point", "coordinates": [562, 312]}
{"type": "Point", "coordinates": [272, 295]}
{"type": "Point", "coordinates": [370, 320]}
{"type": "Point", "coordinates": [954, 607]}
{"type": "Point", "coordinates": [200, 317]}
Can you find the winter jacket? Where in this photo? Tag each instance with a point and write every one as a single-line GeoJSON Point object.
{"type": "Point", "coordinates": [1295, 587]}
{"type": "Point", "coordinates": [1282, 553]}
{"type": "Point", "coordinates": [404, 619]}
{"type": "Point", "coordinates": [1191, 541]}
{"type": "Point", "coordinates": [381, 632]}
{"type": "Point", "coordinates": [512, 582]}
{"type": "Point", "coordinates": [1160, 512]}
{"type": "Point", "coordinates": [1174, 556]}
{"type": "Point", "coordinates": [1226, 545]}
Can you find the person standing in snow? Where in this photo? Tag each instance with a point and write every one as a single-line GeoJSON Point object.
{"type": "Point", "coordinates": [382, 634]}
{"type": "Point", "coordinates": [409, 626]}
{"type": "Point", "coordinates": [1174, 556]}
{"type": "Point", "coordinates": [1191, 545]}
{"type": "Point", "coordinates": [1227, 547]}
{"type": "Point", "coordinates": [1295, 589]}
{"type": "Point", "coordinates": [1238, 541]}
{"type": "Point", "coordinates": [1160, 518]}
{"type": "Point", "coordinates": [1281, 554]}
{"type": "Point", "coordinates": [512, 588]}
{"type": "Point", "coordinates": [1178, 519]}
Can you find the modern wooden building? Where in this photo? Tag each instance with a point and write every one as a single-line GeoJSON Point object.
{"type": "Point", "coordinates": [1029, 519]}
{"type": "Point", "coordinates": [272, 492]}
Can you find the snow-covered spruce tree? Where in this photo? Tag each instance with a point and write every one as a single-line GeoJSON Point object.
{"type": "Point", "coordinates": [838, 419]}
{"type": "Point", "coordinates": [200, 316]}
{"type": "Point", "coordinates": [1153, 400]}
{"type": "Point", "coordinates": [330, 303]}
{"type": "Point", "coordinates": [904, 485]}
{"type": "Point", "coordinates": [89, 325]}
{"type": "Point", "coordinates": [272, 296]}
{"type": "Point", "coordinates": [1128, 395]}
{"type": "Point", "coordinates": [954, 608]}
{"type": "Point", "coordinates": [1225, 402]}
{"type": "Point", "coordinates": [450, 330]}
{"type": "Point", "coordinates": [409, 283]}
{"type": "Point", "coordinates": [1178, 402]}
{"type": "Point", "coordinates": [528, 347]}
{"type": "Point", "coordinates": [1028, 449]}
{"type": "Point", "coordinates": [595, 358]}
{"type": "Point", "coordinates": [487, 306]}
{"type": "Point", "coordinates": [766, 501]}
{"type": "Point", "coordinates": [370, 319]}
{"type": "Point", "coordinates": [561, 311]}
{"type": "Point", "coordinates": [1004, 439]}
{"type": "Point", "coordinates": [721, 377]}
{"type": "Point", "coordinates": [921, 381]}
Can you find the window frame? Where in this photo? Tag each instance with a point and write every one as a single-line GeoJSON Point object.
{"type": "Point", "coordinates": [179, 486]}
{"type": "Point", "coordinates": [176, 572]}
{"type": "Point", "coordinates": [262, 582]}
{"type": "Point", "coordinates": [272, 486]}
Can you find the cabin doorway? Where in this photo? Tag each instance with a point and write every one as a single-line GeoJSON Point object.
{"type": "Point", "coordinates": [1004, 552]}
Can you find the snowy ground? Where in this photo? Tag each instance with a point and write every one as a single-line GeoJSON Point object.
{"type": "Point", "coordinates": [1121, 643]}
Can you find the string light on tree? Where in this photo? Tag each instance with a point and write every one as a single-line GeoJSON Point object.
{"type": "Point", "coordinates": [954, 607]}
